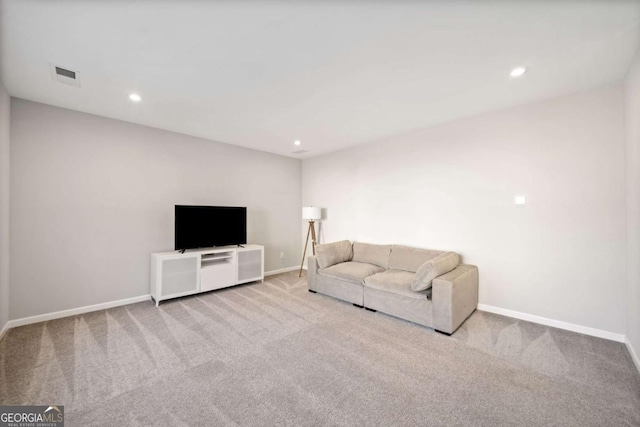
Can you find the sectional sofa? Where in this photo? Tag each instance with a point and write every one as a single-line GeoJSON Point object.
{"type": "Point", "coordinates": [424, 286]}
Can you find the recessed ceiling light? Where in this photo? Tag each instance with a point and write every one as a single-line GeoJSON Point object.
{"type": "Point", "coordinates": [135, 97]}
{"type": "Point", "coordinates": [297, 142]}
{"type": "Point", "coordinates": [517, 72]}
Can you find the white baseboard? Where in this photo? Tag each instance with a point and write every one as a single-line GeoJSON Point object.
{"type": "Point", "coordinates": [281, 270]}
{"type": "Point", "coordinates": [634, 355]}
{"type": "Point", "coordinates": [554, 323]}
{"type": "Point", "coordinates": [74, 311]}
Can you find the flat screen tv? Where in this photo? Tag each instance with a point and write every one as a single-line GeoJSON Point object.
{"type": "Point", "coordinates": [208, 226]}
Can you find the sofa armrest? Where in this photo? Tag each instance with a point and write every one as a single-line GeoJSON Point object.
{"type": "Point", "coordinates": [454, 297]}
{"type": "Point", "coordinates": [312, 271]}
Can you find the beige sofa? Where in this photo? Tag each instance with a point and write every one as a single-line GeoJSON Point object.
{"type": "Point", "coordinates": [423, 286]}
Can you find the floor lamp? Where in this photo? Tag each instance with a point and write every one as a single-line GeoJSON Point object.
{"type": "Point", "coordinates": [311, 214]}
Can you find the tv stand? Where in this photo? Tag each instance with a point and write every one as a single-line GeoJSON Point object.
{"type": "Point", "coordinates": [191, 272]}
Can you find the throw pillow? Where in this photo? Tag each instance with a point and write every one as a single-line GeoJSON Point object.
{"type": "Point", "coordinates": [372, 254]}
{"type": "Point", "coordinates": [329, 254]}
{"type": "Point", "coordinates": [433, 268]}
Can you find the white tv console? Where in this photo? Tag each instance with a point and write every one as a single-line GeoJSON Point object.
{"type": "Point", "coordinates": [175, 274]}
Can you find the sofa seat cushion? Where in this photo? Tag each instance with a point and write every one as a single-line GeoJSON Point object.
{"type": "Point", "coordinates": [394, 281]}
{"type": "Point", "coordinates": [351, 271]}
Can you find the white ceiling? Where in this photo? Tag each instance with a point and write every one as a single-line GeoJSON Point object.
{"type": "Point", "coordinates": [332, 74]}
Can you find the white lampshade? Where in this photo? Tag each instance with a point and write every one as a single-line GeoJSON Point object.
{"type": "Point", "coordinates": [311, 213]}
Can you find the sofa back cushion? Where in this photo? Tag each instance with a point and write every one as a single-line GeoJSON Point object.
{"type": "Point", "coordinates": [410, 259]}
{"type": "Point", "coordinates": [372, 254]}
{"type": "Point", "coordinates": [433, 268]}
{"type": "Point", "coordinates": [329, 254]}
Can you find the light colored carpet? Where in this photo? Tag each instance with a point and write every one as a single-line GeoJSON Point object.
{"type": "Point", "coordinates": [275, 354]}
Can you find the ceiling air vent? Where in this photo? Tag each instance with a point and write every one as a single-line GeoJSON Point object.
{"type": "Point", "coordinates": [300, 151]}
{"type": "Point", "coordinates": [66, 73]}
{"type": "Point", "coordinates": [65, 76]}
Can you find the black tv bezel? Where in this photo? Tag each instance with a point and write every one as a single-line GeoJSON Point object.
{"type": "Point", "coordinates": [175, 231]}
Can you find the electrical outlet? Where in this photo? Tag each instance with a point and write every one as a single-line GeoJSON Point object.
{"type": "Point", "coordinates": [281, 255]}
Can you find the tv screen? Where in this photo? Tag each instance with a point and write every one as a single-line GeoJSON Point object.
{"type": "Point", "coordinates": [207, 226]}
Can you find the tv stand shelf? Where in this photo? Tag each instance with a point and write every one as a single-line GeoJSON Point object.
{"type": "Point", "coordinates": [175, 274]}
{"type": "Point", "coordinates": [215, 258]}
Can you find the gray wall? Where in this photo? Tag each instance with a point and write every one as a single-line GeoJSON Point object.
{"type": "Point", "coordinates": [561, 256]}
{"type": "Point", "coordinates": [632, 92]}
{"type": "Point", "coordinates": [92, 197]}
{"type": "Point", "coordinates": [4, 205]}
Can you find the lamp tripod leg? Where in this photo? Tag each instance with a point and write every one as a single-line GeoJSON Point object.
{"type": "Point", "coordinates": [313, 236]}
{"type": "Point", "coordinates": [304, 253]}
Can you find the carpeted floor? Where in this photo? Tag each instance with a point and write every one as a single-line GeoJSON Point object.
{"type": "Point", "coordinates": [275, 354]}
